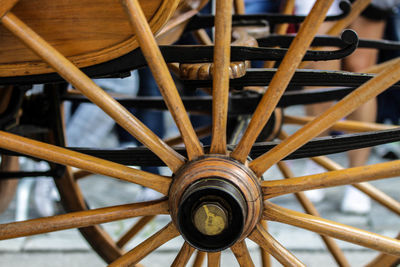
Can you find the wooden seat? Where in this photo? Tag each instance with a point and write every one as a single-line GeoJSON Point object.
{"type": "Point", "coordinates": [87, 32]}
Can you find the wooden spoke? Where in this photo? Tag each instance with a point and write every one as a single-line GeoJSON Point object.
{"type": "Point", "coordinates": [374, 193]}
{"type": "Point", "coordinates": [7, 5]}
{"type": "Point", "coordinates": [381, 66]}
{"type": "Point", "coordinates": [202, 37]}
{"type": "Point", "coordinates": [139, 225]}
{"type": "Point", "coordinates": [356, 8]}
{"type": "Point", "coordinates": [213, 259]}
{"type": "Point", "coordinates": [344, 107]}
{"type": "Point", "coordinates": [198, 261]}
{"type": "Point", "coordinates": [379, 196]}
{"type": "Point", "coordinates": [384, 259]}
{"type": "Point", "coordinates": [80, 174]}
{"type": "Point", "coordinates": [81, 161]}
{"type": "Point", "coordinates": [279, 252]}
{"type": "Point", "coordinates": [282, 78]}
{"type": "Point", "coordinates": [240, 7]}
{"type": "Point", "coordinates": [346, 125]}
{"type": "Point", "coordinates": [200, 132]}
{"type": "Point", "coordinates": [288, 9]}
{"type": "Point", "coordinates": [222, 51]}
{"type": "Point", "coordinates": [242, 254]}
{"type": "Point", "coordinates": [81, 219]}
{"type": "Point", "coordinates": [265, 257]}
{"type": "Point", "coordinates": [80, 81]}
{"type": "Point", "coordinates": [332, 178]}
{"type": "Point", "coordinates": [326, 227]}
{"type": "Point", "coordinates": [309, 207]}
{"type": "Point", "coordinates": [162, 76]}
{"type": "Point", "coordinates": [183, 256]}
{"type": "Point", "coordinates": [143, 249]}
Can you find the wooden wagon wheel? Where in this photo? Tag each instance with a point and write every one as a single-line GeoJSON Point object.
{"type": "Point", "coordinates": [216, 200]}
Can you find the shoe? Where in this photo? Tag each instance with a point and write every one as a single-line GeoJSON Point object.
{"type": "Point", "coordinates": [316, 195]}
{"type": "Point", "coordinates": [355, 201]}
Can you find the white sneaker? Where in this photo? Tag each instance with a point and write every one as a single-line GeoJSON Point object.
{"type": "Point", "coordinates": [316, 195]}
{"type": "Point", "coordinates": [355, 201]}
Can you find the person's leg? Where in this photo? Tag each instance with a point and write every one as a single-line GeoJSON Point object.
{"type": "Point", "coordinates": [355, 201]}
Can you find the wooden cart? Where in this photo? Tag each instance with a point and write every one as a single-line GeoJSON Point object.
{"type": "Point", "coordinates": [215, 197]}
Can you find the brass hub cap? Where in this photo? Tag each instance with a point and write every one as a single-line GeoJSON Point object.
{"type": "Point", "coordinates": [214, 202]}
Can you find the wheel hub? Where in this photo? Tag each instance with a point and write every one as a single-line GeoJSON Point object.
{"type": "Point", "coordinates": [214, 202]}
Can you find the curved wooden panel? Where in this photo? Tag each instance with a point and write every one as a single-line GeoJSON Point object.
{"type": "Point", "coordinates": [87, 32]}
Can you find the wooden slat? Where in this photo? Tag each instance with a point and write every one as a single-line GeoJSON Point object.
{"type": "Point", "coordinates": [242, 254]}
{"type": "Point", "coordinates": [80, 81]}
{"type": "Point", "coordinates": [143, 249]}
{"type": "Point", "coordinates": [163, 77]}
{"type": "Point", "coordinates": [309, 207]}
{"type": "Point", "coordinates": [81, 219]}
{"type": "Point", "coordinates": [265, 256]}
{"type": "Point", "coordinates": [198, 261]}
{"type": "Point", "coordinates": [139, 225]}
{"type": "Point", "coordinates": [326, 227]}
{"type": "Point", "coordinates": [373, 192]}
{"type": "Point", "coordinates": [200, 132]}
{"type": "Point", "coordinates": [6, 5]}
{"type": "Point", "coordinates": [183, 256]}
{"type": "Point", "coordinates": [344, 107]}
{"type": "Point", "coordinates": [345, 125]}
{"type": "Point", "coordinates": [213, 259]}
{"type": "Point", "coordinates": [384, 260]}
{"type": "Point", "coordinates": [279, 252]}
{"type": "Point", "coordinates": [82, 161]}
{"type": "Point", "coordinates": [281, 78]}
{"type": "Point", "coordinates": [222, 53]}
{"type": "Point", "coordinates": [356, 8]}
{"type": "Point", "coordinates": [332, 178]}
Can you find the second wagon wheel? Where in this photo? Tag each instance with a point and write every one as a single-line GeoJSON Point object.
{"type": "Point", "coordinates": [216, 199]}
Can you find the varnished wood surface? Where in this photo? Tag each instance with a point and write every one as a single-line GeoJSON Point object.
{"type": "Point", "coordinates": [81, 219]}
{"type": "Point", "coordinates": [309, 207]}
{"type": "Point", "coordinates": [356, 8]}
{"type": "Point", "coordinates": [143, 249]}
{"type": "Point", "coordinates": [214, 259]}
{"type": "Point", "coordinates": [345, 125]}
{"type": "Point", "coordinates": [344, 107]}
{"type": "Point", "coordinates": [163, 78]}
{"type": "Point", "coordinates": [384, 260]}
{"type": "Point", "coordinates": [6, 5]}
{"type": "Point", "coordinates": [281, 79]}
{"type": "Point", "coordinates": [183, 256]}
{"type": "Point", "coordinates": [86, 32]}
{"type": "Point", "coordinates": [337, 230]}
{"type": "Point", "coordinates": [199, 259]}
{"type": "Point", "coordinates": [8, 187]}
{"type": "Point", "coordinates": [332, 178]}
{"type": "Point", "coordinates": [279, 252]}
{"type": "Point", "coordinates": [139, 225]}
{"type": "Point", "coordinates": [222, 53]}
{"type": "Point", "coordinates": [98, 96]}
{"type": "Point", "coordinates": [373, 192]}
{"type": "Point", "coordinates": [242, 254]}
{"type": "Point", "coordinates": [265, 256]}
{"type": "Point", "coordinates": [92, 164]}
